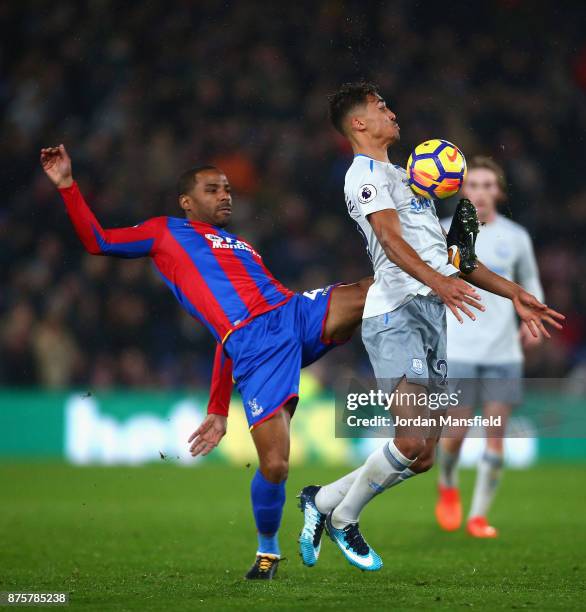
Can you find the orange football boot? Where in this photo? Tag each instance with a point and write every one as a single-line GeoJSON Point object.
{"type": "Point", "coordinates": [478, 527]}
{"type": "Point", "coordinates": [448, 510]}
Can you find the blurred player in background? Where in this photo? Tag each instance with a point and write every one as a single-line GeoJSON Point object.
{"type": "Point", "coordinates": [404, 322]}
{"type": "Point", "coordinates": [265, 333]}
{"type": "Point", "coordinates": [487, 355]}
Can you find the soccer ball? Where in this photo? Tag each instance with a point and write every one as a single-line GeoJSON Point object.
{"type": "Point", "coordinates": [436, 169]}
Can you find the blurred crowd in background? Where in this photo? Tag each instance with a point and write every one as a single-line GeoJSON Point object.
{"type": "Point", "coordinates": [138, 92]}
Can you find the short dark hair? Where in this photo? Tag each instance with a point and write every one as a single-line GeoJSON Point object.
{"type": "Point", "coordinates": [346, 98]}
{"type": "Point", "coordinates": [188, 179]}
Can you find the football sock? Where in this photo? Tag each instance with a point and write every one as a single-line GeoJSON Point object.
{"type": "Point", "coordinates": [268, 499]}
{"type": "Point", "coordinates": [488, 476]}
{"type": "Point", "coordinates": [330, 495]}
{"type": "Point", "coordinates": [380, 471]}
{"type": "Point", "coordinates": [403, 476]}
{"type": "Point", "coordinates": [448, 468]}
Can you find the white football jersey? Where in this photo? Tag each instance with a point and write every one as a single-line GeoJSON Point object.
{"type": "Point", "coordinates": [505, 247]}
{"type": "Point", "coordinates": [371, 186]}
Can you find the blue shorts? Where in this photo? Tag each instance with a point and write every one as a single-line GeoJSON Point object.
{"type": "Point", "coordinates": [269, 352]}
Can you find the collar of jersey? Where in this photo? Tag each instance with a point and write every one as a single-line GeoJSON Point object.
{"type": "Point", "coordinates": [191, 222]}
{"type": "Point", "coordinates": [371, 158]}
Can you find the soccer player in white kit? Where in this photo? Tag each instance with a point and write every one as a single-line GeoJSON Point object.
{"type": "Point", "coordinates": [488, 351]}
{"type": "Point", "coordinates": [404, 320]}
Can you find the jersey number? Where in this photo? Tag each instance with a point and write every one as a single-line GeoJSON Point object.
{"type": "Point", "coordinates": [313, 293]}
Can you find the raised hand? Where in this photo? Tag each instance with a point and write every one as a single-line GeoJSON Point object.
{"type": "Point", "coordinates": [57, 166]}
{"type": "Point", "coordinates": [534, 314]}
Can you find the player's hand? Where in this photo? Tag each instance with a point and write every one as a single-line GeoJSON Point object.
{"type": "Point", "coordinates": [57, 166]}
{"type": "Point", "coordinates": [534, 314]}
{"type": "Point", "coordinates": [456, 294]}
{"type": "Point", "coordinates": [528, 340]}
{"type": "Point", "coordinates": [208, 435]}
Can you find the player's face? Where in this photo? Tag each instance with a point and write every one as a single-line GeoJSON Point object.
{"type": "Point", "coordinates": [380, 122]}
{"type": "Point", "coordinates": [211, 199]}
{"type": "Point", "coordinates": [481, 187]}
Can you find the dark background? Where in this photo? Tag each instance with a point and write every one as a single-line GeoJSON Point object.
{"type": "Point", "coordinates": [138, 92]}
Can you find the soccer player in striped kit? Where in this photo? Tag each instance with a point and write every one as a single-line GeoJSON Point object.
{"type": "Point", "coordinates": [265, 333]}
{"type": "Point", "coordinates": [487, 355]}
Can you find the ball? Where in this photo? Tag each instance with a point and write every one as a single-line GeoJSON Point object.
{"type": "Point", "coordinates": [436, 169]}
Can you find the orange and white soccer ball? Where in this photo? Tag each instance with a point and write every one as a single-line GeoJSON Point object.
{"type": "Point", "coordinates": [436, 169]}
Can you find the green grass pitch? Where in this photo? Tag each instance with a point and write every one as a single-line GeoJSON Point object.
{"type": "Point", "coordinates": [168, 537]}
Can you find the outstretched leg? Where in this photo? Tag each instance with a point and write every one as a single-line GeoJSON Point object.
{"type": "Point", "coordinates": [394, 462]}
{"type": "Point", "coordinates": [345, 311]}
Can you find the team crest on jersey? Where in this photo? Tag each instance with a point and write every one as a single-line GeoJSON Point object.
{"type": "Point", "coordinates": [225, 242]}
{"type": "Point", "coordinates": [417, 366]}
{"type": "Point", "coordinates": [366, 193]}
{"type": "Point", "coordinates": [255, 409]}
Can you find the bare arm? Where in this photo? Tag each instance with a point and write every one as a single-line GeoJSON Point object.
{"type": "Point", "coordinates": [454, 292]}
{"type": "Point", "coordinates": [128, 242]}
{"type": "Point", "coordinates": [527, 275]}
{"type": "Point", "coordinates": [486, 279]}
{"type": "Point", "coordinates": [530, 310]}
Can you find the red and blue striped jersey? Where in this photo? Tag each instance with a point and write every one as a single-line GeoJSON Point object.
{"type": "Point", "coordinates": [216, 276]}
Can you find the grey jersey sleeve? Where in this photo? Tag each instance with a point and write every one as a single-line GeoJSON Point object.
{"type": "Point", "coordinates": [526, 271]}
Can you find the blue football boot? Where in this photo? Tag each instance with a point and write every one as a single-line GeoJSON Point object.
{"type": "Point", "coordinates": [353, 546]}
{"type": "Point", "coordinates": [313, 526]}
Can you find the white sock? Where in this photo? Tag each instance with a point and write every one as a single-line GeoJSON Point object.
{"type": "Point", "coordinates": [488, 476]}
{"type": "Point", "coordinates": [330, 495]}
{"type": "Point", "coordinates": [380, 471]}
{"type": "Point", "coordinates": [403, 476]}
{"type": "Point", "coordinates": [448, 468]}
